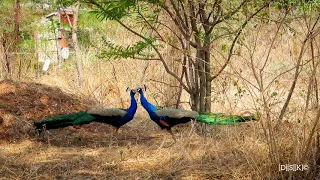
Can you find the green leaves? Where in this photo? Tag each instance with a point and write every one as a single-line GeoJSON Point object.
{"type": "Point", "coordinates": [299, 7]}
{"type": "Point", "coordinates": [137, 49]}
{"type": "Point", "coordinates": [118, 9]}
{"type": "Point", "coordinates": [224, 47]}
{"type": "Point", "coordinates": [240, 90]}
{"type": "Point", "coordinates": [65, 3]}
{"type": "Point", "coordinates": [273, 94]}
{"type": "Point", "coordinates": [114, 10]}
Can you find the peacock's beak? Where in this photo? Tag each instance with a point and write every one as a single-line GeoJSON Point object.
{"type": "Point", "coordinates": [136, 97]}
{"type": "Point", "coordinates": [139, 90]}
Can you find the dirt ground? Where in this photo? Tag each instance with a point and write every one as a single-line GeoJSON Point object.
{"type": "Point", "coordinates": [138, 151]}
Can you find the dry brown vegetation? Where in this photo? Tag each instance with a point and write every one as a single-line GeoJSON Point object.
{"type": "Point", "coordinates": [92, 151]}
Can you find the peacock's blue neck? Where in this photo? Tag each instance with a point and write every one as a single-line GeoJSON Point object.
{"type": "Point", "coordinates": [131, 111]}
{"type": "Point", "coordinates": [148, 106]}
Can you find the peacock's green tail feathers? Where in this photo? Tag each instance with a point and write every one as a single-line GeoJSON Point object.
{"type": "Point", "coordinates": [223, 119]}
{"type": "Point", "coordinates": [74, 119]}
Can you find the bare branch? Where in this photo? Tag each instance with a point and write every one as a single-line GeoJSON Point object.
{"type": "Point", "coordinates": [167, 84]}
{"type": "Point", "coordinates": [193, 16]}
{"type": "Point", "coordinates": [147, 59]}
{"type": "Point", "coordinates": [131, 30]}
{"type": "Point", "coordinates": [235, 40]}
{"type": "Point", "coordinates": [178, 14]}
{"type": "Point", "coordinates": [231, 13]}
{"type": "Point", "coordinates": [317, 119]}
{"type": "Point", "coordinates": [182, 29]}
{"type": "Point", "coordinates": [273, 40]}
{"type": "Point", "coordinates": [184, 67]}
{"type": "Point", "coordinates": [297, 72]}
{"type": "Point", "coordinates": [184, 14]}
{"type": "Point", "coordinates": [282, 73]}
{"type": "Point", "coordinates": [157, 32]}
{"type": "Point", "coordinates": [166, 67]}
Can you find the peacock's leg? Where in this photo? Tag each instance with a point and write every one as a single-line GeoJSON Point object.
{"type": "Point", "coordinates": [164, 139]}
{"type": "Point", "coordinates": [116, 129]}
{"type": "Point", "coordinates": [192, 128]}
{"type": "Point", "coordinates": [45, 133]}
{"type": "Point", "coordinates": [48, 136]}
{"type": "Point", "coordinates": [173, 137]}
{"type": "Point", "coordinates": [38, 132]}
{"type": "Point", "coordinates": [114, 135]}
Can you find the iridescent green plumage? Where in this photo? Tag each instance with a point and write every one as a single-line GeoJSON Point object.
{"type": "Point", "coordinates": [115, 117]}
{"type": "Point", "coordinates": [75, 119]}
{"type": "Point", "coordinates": [222, 119]}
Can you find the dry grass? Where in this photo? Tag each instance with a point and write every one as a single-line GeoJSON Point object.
{"type": "Point", "coordinates": [93, 151]}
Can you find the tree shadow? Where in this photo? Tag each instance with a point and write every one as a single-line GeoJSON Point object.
{"type": "Point", "coordinates": [95, 135]}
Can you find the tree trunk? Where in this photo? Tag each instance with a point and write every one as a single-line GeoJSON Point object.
{"type": "Point", "coordinates": [184, 63]}
{"type": "Point", "coordinates": [2, 59]}
{"type": "Point", "coordinates": [16, 34]}
{"type": "Point", "coordinates": [199, 76]}
{"type": "Point", "coordinates": [193, 99]}
{"type": "Point", "coordinates": [207, 71]}
{"type": "Point", "coordinates": [203, 90]}
{"type": "Point", "coordinates": [202, 76]}
{"type": "Point", "coordinates": [6, 67]}
{"type": "Point", "coordinates": [196, 87]}
{"type": "Point", "coordinates": [75, 43]}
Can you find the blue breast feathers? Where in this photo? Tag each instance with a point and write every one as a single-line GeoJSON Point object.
{"type": "Point", "coordinates": [148, 106]}
{"type": "Point", "coordinates": [131, 110]}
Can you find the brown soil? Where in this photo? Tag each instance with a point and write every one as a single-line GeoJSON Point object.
{"type": "Point", "coordinates": [21, 103]}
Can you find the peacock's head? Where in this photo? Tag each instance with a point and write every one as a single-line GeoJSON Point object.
{"type": "Point", "coordinates": [132, 91]}
{"type": "Point", "coordinates": [140, 90]}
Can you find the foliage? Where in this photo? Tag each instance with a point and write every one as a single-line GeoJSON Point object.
{"type": "Point", "coordinates": [300, 7]}
{"type": "Point", "coordinates": [115, 10]}
{"type": "Point", "coordinates": [140, 48]}
{"type": "Point", "coordinates": [6, 12]}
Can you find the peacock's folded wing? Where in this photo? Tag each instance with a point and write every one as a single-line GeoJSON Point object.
{"type": "Point", "coordinates": [222, 119]}
{"type": "Point", "coordinates": [126, 110]}
{"type": "Point", "coordinates": [108, 112]}
{"type": "Point", "coordinates": [176, 113]}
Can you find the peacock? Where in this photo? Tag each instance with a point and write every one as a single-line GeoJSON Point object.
{"type": "Point", "coordinates": [115, 117]}
{"type": "Point", "coordinates": [168, 117]}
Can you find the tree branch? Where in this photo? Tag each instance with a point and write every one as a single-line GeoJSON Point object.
{"type": "Point", "coordinates": [230, 14]}
{"type": "Point", "coordinates": [147, 59]}
{"type": "Point", "coordinates": [297, 72]}
{"type": "Point", "coordinates": [193, 16]}
{"type": "Point", "coordinates": [168, 70]}
{"type": "Point", "coordinates": [157, 32]}
{"type": "Point", "coordinates": [182, 30]}
{"type": "Point", "coordinates": [178, 14]}
{"type": "Point", "coordinates": [273, 40]}
{"type": "Point", "coordinates": [235, 40]}
{"type": "Point", "coordinates": [164, 83]}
